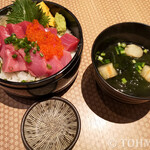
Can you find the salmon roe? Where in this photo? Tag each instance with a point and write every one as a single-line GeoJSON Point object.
{"type": "Point", "coordinates": [50, 44]}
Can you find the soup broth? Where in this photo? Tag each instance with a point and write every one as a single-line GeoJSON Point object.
{"type": "Point", "coordinates": [128, 79]}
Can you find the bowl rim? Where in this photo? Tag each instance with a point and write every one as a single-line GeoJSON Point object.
{"type": "Point", "coordinates": [96, 70]}
{"type": "Point", "coordinates": [58, 99]}
{"type": "Point", "coordinates": [59, 74]}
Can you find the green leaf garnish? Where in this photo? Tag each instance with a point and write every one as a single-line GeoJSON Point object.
{"type": "Point", "coordinates": [22, 10]}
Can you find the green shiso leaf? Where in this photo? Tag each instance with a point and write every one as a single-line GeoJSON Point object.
{"type": "Point", "coordinates": [26, 10]}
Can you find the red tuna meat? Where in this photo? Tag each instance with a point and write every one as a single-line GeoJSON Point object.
{"type": "Point", "coordinates": [69, 41]}
{"type": "Point", "coordinates": [66, 58]}
{"type": "Point", "coordinates": [24, 25]}
{"type": "Point", "coordinates": [21, 52]}
{"type": "Point", "coordinates": [4, 33]}
{"type": "Point", "coordinates": [38, 66]}
{"type": "Point", "coordinates": [56, 65]}
{"type": "Point", "coordinates": [52, 30]}
{"type": "Point", "coordinates": [0, 43]}
{"type": "Point", "coordinates": [11, 64]}
{"type": "Point", "coordinates": [2, 50]}
{"type": "Point", "coordinates": [17, 29]}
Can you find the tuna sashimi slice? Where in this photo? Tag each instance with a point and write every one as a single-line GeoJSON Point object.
{"type": "Point", "coordinates": [24, 25]}
{"type": "Point", "coordinates": [0, 43]}
{"type": "Point", "coordinates": [11, 64]}
{"type": "Point", "coordinates": [21, 52]}
{"type": "Point", "coordinates": [69, 41]}
{"type": "Point", "coordinates": [55, 64]}
{"type": "Point", "coordinates": [2, 50]}
{"type": "Point", "coordinates": [38, 66]}
{"type": "Point", "coordinates": [66, 58]}
{"type": "Point", "coordinates": [17, 29]}
{"type": "Point", "coordinates": [52, 30]}
{"type": "Point", "coordinates": [4, 33]}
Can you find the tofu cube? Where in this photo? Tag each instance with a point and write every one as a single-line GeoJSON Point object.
{"type": "Point", "coordinates": [134, 51]}
{"type": "Point", "coordinates": [145, 73]}
{"type": "Point", "coordinates": [107, 71]}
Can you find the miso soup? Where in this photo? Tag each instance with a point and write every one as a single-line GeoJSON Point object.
{"type": "Point", "coordinates": [126, 67]}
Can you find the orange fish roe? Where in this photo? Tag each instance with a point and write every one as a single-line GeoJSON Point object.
{"type": "Point", "coordinates": [50, 44]}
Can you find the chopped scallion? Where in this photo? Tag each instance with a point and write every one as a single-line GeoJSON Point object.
{"type": "Point", "coordinates": [117, 50]}
{"type": "Point", "coordinates": [145, 51]}
{"type": "Point", "coordinates": [107, 61]}
{"type": "Point", "coordinates": [124, 81]}
{"type": "Point", "coordinates": [38, 48]}
{"type": "Point", "coordinates": [140, 68]}
{"type": "Point", "coordinates": [34, 51]}
{"type": "Point", "coordinates": [143, 64]}
{"type": "Point", "coordinates": [122, 52]}
{"type": "Point", "coordinates": [41, 55]}
{"type": "Point", "coordinates": [123, 45]}
{"type": "Point", "coordinates": [32, 44]}
{"type": "Point", "coordinates": [27, 58]}
{"type": "Point", "coordinates": [119, 44]}
{"type": "Point", "coordinates": [103, 54]}
{"type": "Point", "coordinates": [133, 61]}
{"type": "Point", "coordinates": [7, 40]}
{"type": "Point", "coordinates": [26, 50]}
{"type": "Point", "coordinates": [14, 56]}
{"type": "Point", "coordinates": [100, 58]}
{"type": "Point", "coordinates": [49, 66]}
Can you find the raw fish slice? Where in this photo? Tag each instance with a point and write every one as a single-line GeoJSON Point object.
{"type": "Point", "coordinates": [52, 30]}
{"type": "Point", "coordinates": [24, 25]}
{"type": "Point", "coordinates": [0, 44]}
{"type": "Point", "coordinates": [66, 58]}
{"type": "Point", "coordinates": [55, 64]}
{"type": "Point", "coordinates": [2, 50]}
{"type": "Point", "coordinates": [4, 33]}
{"type": "Point", "coordinates": [17, 29]}
{"type": "Point", "coordinates": [11, 64]}
{"type": "Point", "coordinates": [21, 52]}
{"type": "Point", "coordinates": [38, 66]}
{"type": "Point", "coordinates": [69, 41]}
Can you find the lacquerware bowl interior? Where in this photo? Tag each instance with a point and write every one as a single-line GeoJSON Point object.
{"type": "Point", "coordinates": [61, 79]}
{"type": "Point", "coordinates": [50, 125]}
{"type": "Point", "coordinates": [131, 32]}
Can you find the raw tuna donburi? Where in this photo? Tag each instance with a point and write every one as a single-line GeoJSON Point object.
{"type": "Point", "coordinates": [30, 51]}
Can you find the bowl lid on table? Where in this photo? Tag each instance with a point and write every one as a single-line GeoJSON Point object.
{"type": "Point", "coordinates": [51, 124]}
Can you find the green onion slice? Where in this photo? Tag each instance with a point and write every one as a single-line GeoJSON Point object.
{"type": "Point", "coordinates": [145, 51]}
{"type": "Point", "coordinates": [124, 81]}
{"type": "Point", "coordinates": [103, 54]}
{"type": "Point", "coordinates": [14, 56]}
{"type": "Point", "coordinates": [49, 66]}
{"type": "Point", "coordinates": [41, 55]}
{"type": "Point", "coordinates": [34, 51]}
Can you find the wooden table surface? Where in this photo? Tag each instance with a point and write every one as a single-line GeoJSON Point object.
{"type": "Point", "coordinates": [105, 124]}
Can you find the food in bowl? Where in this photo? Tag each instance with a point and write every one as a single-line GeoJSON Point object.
{"type": "Point", "coordinates": [34, 44]}
{"type": "Point", "coordinates": [60, 80]}
{"type": "Point", "coordinates": [126, 67]}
